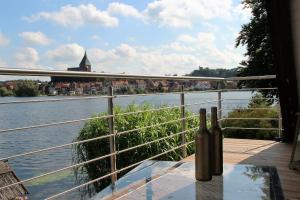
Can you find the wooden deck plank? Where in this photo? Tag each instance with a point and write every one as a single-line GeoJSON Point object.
{"type": "Point", "coordinates": [263, 152]}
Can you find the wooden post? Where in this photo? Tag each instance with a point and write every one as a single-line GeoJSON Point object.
{"type": "Point", "coordinates": [183, 122]}
{"type": "Point", "coordinates": [112, 139]}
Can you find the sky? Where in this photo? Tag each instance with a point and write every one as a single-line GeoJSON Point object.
{"type": "Point", "coordinates": [132, 36]}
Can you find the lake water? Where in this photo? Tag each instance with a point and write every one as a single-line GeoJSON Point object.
{"type": "Point", "coordinates": [20, 115]}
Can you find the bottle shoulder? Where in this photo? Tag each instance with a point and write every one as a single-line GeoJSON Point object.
{"type": "Point", "coordinates": [215, 129]}
{"type": "Point", "coordinates": [202, 131]}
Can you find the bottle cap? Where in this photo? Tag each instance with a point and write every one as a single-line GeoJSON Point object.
{"type": "Point", "coordinates": [202, 111]}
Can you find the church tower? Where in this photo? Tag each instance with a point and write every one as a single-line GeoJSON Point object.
{"type": "Point", "coordinates": [85, 64]}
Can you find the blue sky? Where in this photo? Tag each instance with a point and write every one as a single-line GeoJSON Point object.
{"type": "Point", "coordinates": [140, 37]}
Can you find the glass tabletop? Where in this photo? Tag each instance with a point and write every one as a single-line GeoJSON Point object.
{"type": "Point", "coordinates": [176, 181]}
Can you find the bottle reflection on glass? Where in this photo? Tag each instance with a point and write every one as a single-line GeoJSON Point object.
{"type": "Point", "coordinates": [216, 144]}
{"type": "Point", "coordinates": [212, 190]}
{"type": "Point", "coordinates": [202, 156]}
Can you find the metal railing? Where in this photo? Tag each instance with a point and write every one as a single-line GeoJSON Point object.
{"type": "Point", "coordinates": [111, 115]}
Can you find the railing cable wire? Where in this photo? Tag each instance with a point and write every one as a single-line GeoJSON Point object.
{"type": "Point", "coordinates": [118, 171]}
{"type": "Point", "coordinates": [69, 167]}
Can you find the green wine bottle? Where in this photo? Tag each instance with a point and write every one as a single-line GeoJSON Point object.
{"type": "Point", "coordinates": [216, 144]}
{"type": "Point", "coordinates": [202, 156]}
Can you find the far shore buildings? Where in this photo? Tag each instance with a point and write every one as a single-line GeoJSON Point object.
{"type": "Point", "coordinates": [66, 85]}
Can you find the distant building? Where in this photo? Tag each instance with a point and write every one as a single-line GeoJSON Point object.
{"type": "Point", "coordinates": [84, 66]}
{"type": "Point", "coordinates": [202, 85]}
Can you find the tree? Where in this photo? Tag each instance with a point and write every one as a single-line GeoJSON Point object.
{"type": "Point", "coordinates": [207, 72]}
{"type": "Point", "coordinates": [259, 53]}
{"type": "Point", "coordinates": [4, 92]}
{"type": "Point", "coordinates": [26, 88]}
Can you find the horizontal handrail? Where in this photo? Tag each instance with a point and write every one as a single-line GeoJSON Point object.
{"type": "Point", "coordinates": [264, 77]}
{"type": "Point", "coordinates": [248, 89]}
{"type": "Point", "coordinates": [146, 94]}
{"type": "Point", "coordinates": [265, 108]}
{"type": "Point", "coordinates": [237, 99]}
{"type": "Point", "coordinates": [251, 128]}
{"type": "Point", "coordinates": [39, 72]}
{"type": "Point", "coordinates": [247, 118]}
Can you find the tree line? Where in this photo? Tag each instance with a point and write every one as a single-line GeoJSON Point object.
{"type": "Point", "coordinates": [208, 72]}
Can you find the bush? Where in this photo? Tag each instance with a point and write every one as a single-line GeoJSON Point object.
{"type": "Point", "coordinates": [27, 88]}
{"type": "Point", "coordinates": [5, 92]}
{"type": "Point", "coordinates": [99, 127]}
{"type": "Point", "coordinates": [253, 111]}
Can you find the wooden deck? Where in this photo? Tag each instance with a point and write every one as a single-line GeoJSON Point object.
{"type": "Point", "coordinates": [267, 153]}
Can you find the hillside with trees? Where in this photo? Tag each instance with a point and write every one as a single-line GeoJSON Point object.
{"type": "Point", "coordinates": [220, 72]}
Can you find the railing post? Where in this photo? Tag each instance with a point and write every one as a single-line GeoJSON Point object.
{"type": "Point", "coordinates": [183, 122]}
{"type": "Point", "coordinates": [220, 107]}
{"type": "Point", "coordinates": [112, 139]}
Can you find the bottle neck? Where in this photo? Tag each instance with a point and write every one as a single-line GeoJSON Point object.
{"type": "Point", "coordinates": [202, 119]}
{"type": "Point", "coordinates": [214, 117]}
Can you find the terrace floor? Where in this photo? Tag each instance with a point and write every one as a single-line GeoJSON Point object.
{"type": "Point", "coordinates": [165, 180]}
{"type": "Point", "coordinates": [263, 153]}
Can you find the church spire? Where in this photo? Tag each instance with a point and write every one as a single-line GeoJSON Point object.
{"type": "Point", "coordinates": [85, 63]}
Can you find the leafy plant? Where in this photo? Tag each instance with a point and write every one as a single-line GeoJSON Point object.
{"type": "Point", "coordinates": [26, 88]}
{"type": "Point", "coordinates": [5, 92]}
{"type": "Point", "coordinates": [256, 109]}
{"type": "Point", "coordinates": [99, 127]}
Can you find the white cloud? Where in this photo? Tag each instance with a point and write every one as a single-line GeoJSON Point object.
{"type": "Point", "coordinates": [66, 53]}
{"type": "Point", "coordinates": [186, 38]}
{"type": "Point", "coordinates": [26, 57]}
{"type": "Point", "coordinates": [201, 38]}
{"type": "Point", "coordinates": [4, 41]}
{"type": "Point", "coordinates": [75, 16]}
{"type": "Point", "coordinates": [35, 38]}
{"type": "Point", "coordinates": [182, 13]}
{"type": "Point", "coordinates": [172, 13]}
{"type": "Point", "coordinates": [125, 50]}
{"type": "Point", "coordinates": [181, 56]}
{"type": "Point", "coordinates": [101, 56]}
{"type": "Point", "coordinates": [117, 8]}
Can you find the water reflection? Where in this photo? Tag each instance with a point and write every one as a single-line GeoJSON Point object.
{"type": "Point", "coordinates": [255, 173]}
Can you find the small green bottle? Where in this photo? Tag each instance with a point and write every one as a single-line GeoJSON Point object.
{"type": "Point", "coordinates": [202, 156]}
{"type": "Point", "coordinates": [216, 144]}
